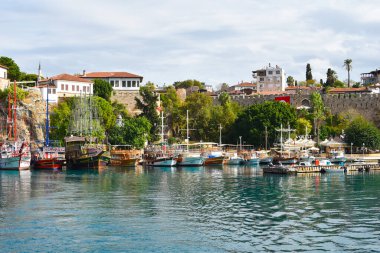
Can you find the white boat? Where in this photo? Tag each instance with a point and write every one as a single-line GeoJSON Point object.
{"type": "Point", "coordinates": [189, 160]}
{"type": "Point", "coordinates": [164, 162]}
{"type": "Point", "coordinates": [337, 157]}
{"type": "Point", "coordinates": [235, 160]}
{"type": "Point", "coordinates": [323, 162]}
{"type": "Point", "coordinates": [15, 156]}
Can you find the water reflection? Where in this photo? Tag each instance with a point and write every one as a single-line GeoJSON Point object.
{"type": "Point", "coordinates": [192, 209]}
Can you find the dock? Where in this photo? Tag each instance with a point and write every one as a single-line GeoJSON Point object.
{"type": "Point", "coordinates": [321, 168]}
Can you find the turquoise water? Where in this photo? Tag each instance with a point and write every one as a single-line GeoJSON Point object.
{"type": "Point", "coordinates": [230, 209]}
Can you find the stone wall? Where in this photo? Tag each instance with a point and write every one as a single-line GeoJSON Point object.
{"type": "Point", "coordinates": [127, 98]}
{"type": "Point", "coordinates": [367, 105]}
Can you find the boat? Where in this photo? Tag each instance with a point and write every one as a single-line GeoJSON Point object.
{"type": "Point", "coordinates": [279, 168]}
{"type": "Point", "coordinates": [124, 155]}
{"type": "Point", "coordinates": [51, 158]}
{"type": "Point", "coordinates": [215, 158]}
{"type": "Point", "coordinates": [82, 153]}
{"type": "Point", "coordinates": [164, 161]}
{"type": "Point", "coordinates": [251, 159]}
{"type": "Point", "coordinates": [286, 160]}
{"type": "Point", "coordinates": [337, 156]}
{"type": "Point", "coordinates": [188, 159]}
{"type": "Point", "coordinates": [13, 157]}
{"type": "Point", "coordinates": [14, 154]}
{"type": "Point", "coordinates": [235, 160]}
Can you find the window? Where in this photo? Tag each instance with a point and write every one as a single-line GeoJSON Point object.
{"type": "Point", "coordinates": [112, 83]}
{"type": "Point", "coordinates": [67, 87]}
{"type": "Point", "coordinates": [77, 87]}
{"type": "Point", "coordinates": [133, 83]}
{"type": "Point", "coordinates": [138, 83]}
{"type": "Point", "coordinates": [54, 91]}
{"type": "Point", "coordinates": [261, 79]}
{"type": "Point", "coordinates": [270, 72]}
{"type": "Point", "coordinates": [49, 91]}
{"type": "Point", "coordinates": [62, 86]}
{"type": "Point", "coordinates": [124, 83]}
{"type": "Point", "coordinates": [72, 87]}
{"type": "Point", "coordinates": [277, 72]}
{"type": "Point", "coordinates": [117, 83]}
{"type": "Point", "coordinates": [129, 83]}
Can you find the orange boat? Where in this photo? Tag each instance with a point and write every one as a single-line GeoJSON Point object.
{"type": "Point", "coordinates": [48, 163]}
{"type": "Point", "coordinates": [124, 155]}
{"type": "Point", "coordinates": [220, 160]}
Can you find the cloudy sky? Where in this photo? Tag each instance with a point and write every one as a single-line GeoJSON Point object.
{"type": "Point", "coordinates": [171, 40]}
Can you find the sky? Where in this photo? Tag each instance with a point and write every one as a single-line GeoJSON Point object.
{"type": "Point", "coordinates": [216, 42]}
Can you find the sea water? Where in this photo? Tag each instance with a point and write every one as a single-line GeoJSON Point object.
{"type": "Point", "coordinates": [204, 209]}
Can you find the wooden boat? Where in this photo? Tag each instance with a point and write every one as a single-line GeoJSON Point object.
{"type": "Point", "coordinates": [279, 169]}
{"type": "Point", "coordinates": [124, 155]}
{"type": "Point", "coordinates": [164, 162]}
{"type": "Point", "coordinates": [81, 153]}
{"type": "Point", "coordinates": [48, 163]}
{"type": "Point", "coordinates": [219, 160]}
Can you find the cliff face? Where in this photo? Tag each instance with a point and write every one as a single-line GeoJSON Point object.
{"type": "Point", "coordinates": [31, 116]}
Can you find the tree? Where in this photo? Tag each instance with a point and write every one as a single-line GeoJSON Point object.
{"type": "Point", "coordinates": [13, 69]}
{"type": "Point", "coordinates": [224, 87]}
{"type": "Point", "coordinates": [362, 131]}
{"type": "Point", "coordinates": [290, 81]}
{"type": "Point", "coordinates": [309, 75]}
{"type": "Point", "coordinates": [102, 89]}
{"type": "Point", "coordinates": [338, 84]}
{"type": "Point", "coordinates": [189, 83]}
{"type": "Point", "coordinates": [148, 105]}
{"type": "Point", "coordinates": [331, 78]}
{"type": "Point", "coordinates": [251, 123]}
{"type": "Point", "coordinates": [318, 109]}
{"type": "Point", "coordinates": [348, 66]}
{"type": "Point", "coordinates": [172, 106]}
{"type": "Point", "coordinates": [302, 126]}
{"type": "Point", "coordinates": [133, 131]}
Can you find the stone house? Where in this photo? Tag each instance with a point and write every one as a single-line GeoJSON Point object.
{"type": "Point", "coordinates": [270, 78]}
{"type": "Point", "coordinates": [4, 81]}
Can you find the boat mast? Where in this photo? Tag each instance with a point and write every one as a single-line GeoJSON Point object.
{"type": "Point", "coordinates": [187, 130]}
{"type": "Point", "coordinates": [162, 127]}
{"type": "Point", "coordinates": [14, 111]}
{"type": "Point", "coordinates": [220, 134]}
{"type": "Point", "coordinates": [47, 117]}
{"type": "Point", "coordinates": [9, 121]}
{"type": "Point", "coordinates": [266, 138]}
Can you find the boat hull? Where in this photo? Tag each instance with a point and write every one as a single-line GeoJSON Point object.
{"type": "Point", "coordinates": [15, 163]}
{"type": "Point", "coordinates": [191, 161]}
{"type": "Point", "coordinates": [89, 161]}
{"type": "Point", "coordinates": [164, 162]}
{"type": "Point", "coordinates": [266, 160]}
{"type": "Point", "coordinates": [48, 164]}
{"type": "Point", "coordinates": [235, 161]}
{"type": "Point", "coordinates": [129, 162]}
{"type": "Point", "coordinates": [215, 161]}
{"type": "Point", "coordinates": [253, 161]}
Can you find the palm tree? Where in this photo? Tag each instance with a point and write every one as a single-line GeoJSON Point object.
{"type": "Point", "coordinates": [348, 66]}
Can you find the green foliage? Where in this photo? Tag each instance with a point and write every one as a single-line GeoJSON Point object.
{"type": "Point", "coordinates": [105, 112]}
{"type": "Point", "coordinates": [251, 123]}
{"type": "Point", "coordinates": [20, 93]}
{"type": "Point", "coordinates": [13, 69]}
{"type": "Point", "coordinates": [224, 87]}
{"type": "Point", "coordinates": [309, 75]}
{"type": "Point", "coordinates": [302, 125]}
{"type": "Point", "coordinates": [172, 106]}
{"type": "Point", "coordinates": [331, 78]}
{"type": "Point", "coordinates": [60, 119]}
{"type": "Point", "coordinates": [28, 77]}
{"type": "Point", "coordinates": [189, 83]}
{"type": "Point", "coordinates": [102, 89]}
{"type": "Point", "coordinates": [348, 66]}
{"type": "Point", "coordinates": [334, 124]}
{"type": "Point", "coordinates": [148, 106]}
{"type": "Point", "coordinates": [362, 131]}
{"type": "Point", "coordinates": [134, 132]}
{"type": "Point", "coordinates": [119, 109]}
{"type": "Point", "coordinates": [290, 81]}
{"type": "Point", "coordinates": [356, 85]}
{"type": "Point", "coordinates": [339, 84]}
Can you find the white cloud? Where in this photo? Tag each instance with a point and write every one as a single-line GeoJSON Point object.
{"type": "Point", "coordinates": [170, 40]}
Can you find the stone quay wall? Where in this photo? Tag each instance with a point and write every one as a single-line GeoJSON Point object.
{"type": "Point", "coordinates": [367, 105]}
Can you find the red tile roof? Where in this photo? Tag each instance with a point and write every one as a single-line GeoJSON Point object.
{"type": "Point", "coordinates": [347, 90]}
{"type": "Point", "coordinates": [246, 84]}
{"type": "Point", "coordinates": [271, 92]}
{"type": "Point", "coordinates": [110, 74]}
{"type": "Point", "coordinates": [67, 77]}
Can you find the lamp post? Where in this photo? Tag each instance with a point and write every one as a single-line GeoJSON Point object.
{"type": "Point", "coordinates": [351, 149]}
{"type": "Point", "coordinates": [240, 142]}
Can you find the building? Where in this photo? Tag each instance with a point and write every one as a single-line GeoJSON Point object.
{"type": "Point", "coordinates": [64, 85]}
{"type": "Point", "coordinates": [349, 90]}
{"type": "Point", "coordinates": [372, 77]}
{"type": "Point", "coordinates": [4, 82]}
{"type": "Point", "coordinates": [120, 81]}
{"type": "Point", "coordinates": [244, 87]}
{"type": "Point", "coordinates": [270, 79]}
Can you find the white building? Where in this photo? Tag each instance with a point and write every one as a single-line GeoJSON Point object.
{"type": "Point", "coordinates": [120, 81]}
{"type": "Point", "coordinates": [270, 79]}
{"type": "Point", "coordinates": [64, 85]}
{"type": "Point", "coordinates": [4, 82]}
